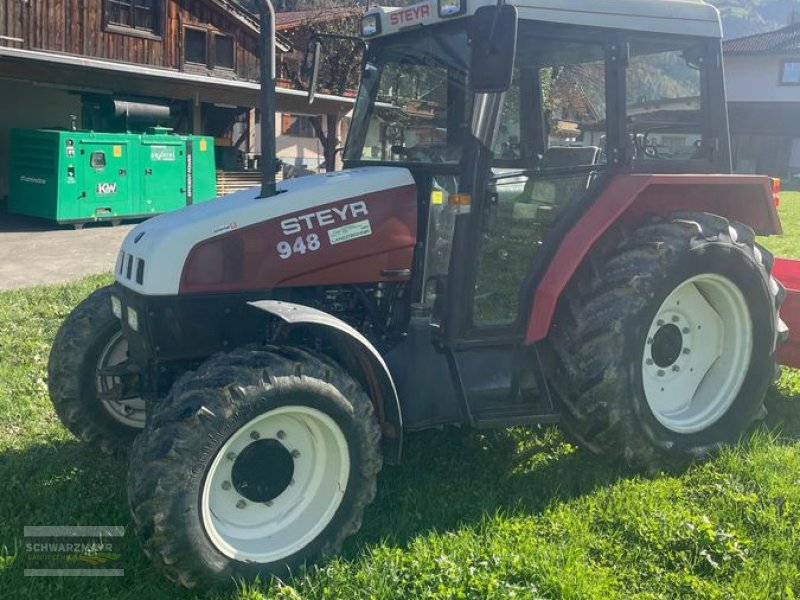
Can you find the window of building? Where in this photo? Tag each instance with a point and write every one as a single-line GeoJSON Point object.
{"type": "Point", "coordinates": [195, 46]}
{"type": "Point", "coordinates": [223, 52]}
{"type": "Point", "coordinates": [790, 72]}
{"type": "Point", "coordinates": [140, 15]}
{"type": "Point", "coordinates": [297, 126]}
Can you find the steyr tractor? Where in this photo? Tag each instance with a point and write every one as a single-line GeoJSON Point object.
{"type": "Point", "coordinates": [536, 223]}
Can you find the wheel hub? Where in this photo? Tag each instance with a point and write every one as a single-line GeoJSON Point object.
{"type": "Point", "coordinates": [667, 345]}
{"type": "Point", "coordinates": [263, 471]}
{"type": "Point", "coordinates": [696, 354]}
{"type": "Point", "coordinates": [275, 484]}
{"type": "Point", "coordinates": [113, 393]}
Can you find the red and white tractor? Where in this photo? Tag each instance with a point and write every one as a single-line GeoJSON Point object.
{"type": "Point", "coordinates": [536, 223]}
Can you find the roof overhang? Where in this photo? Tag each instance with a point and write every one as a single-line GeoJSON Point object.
{"type": "Point", "coordinates": [91, 75]}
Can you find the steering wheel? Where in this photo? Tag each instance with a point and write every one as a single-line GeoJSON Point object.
{"type": "Point", "coordinates": [394, 132]}
{"type": "Point", "coordinates": [649, 147]}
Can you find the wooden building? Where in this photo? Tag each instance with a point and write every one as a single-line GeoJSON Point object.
{"type": "Point", "coordinates": [117, 65]}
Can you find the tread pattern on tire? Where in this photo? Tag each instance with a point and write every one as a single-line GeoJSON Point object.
{"type": "Point", "coordinates": [592, 318]}
{"type": "Point", "coordinates": [87, 328]}
{"type": "Point", "coordinates": [189, 420]}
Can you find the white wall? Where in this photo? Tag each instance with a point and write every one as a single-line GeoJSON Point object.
{"type": "Point", "coordinates": [23, 105]}
{"type": "Point", "coordinates": [755, 79]}
{"type": "Point", "coordinates": [291, 149]}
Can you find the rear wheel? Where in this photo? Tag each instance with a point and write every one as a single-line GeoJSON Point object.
{"type": "Point", "coordinates": [260, 461]}
{"type": "Point", "coordinates": [666, 340]}
{"type": "Point", "coordinates": [96, 408]}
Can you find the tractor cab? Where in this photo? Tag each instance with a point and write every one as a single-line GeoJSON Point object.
{"type": "Point", "coordinates": [519, 116]}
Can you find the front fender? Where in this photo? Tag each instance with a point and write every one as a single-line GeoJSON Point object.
{"type": "Point", "coordinates": [357, 354]}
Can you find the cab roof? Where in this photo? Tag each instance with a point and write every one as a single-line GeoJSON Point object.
{"type": "Point", "coordinates": [686, 17]}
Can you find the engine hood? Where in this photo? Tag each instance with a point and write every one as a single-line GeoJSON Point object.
{"type": "Point", "coordinates": [345, 227]}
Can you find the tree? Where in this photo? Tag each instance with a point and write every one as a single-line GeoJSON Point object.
{"type": "Point", "coordinates": [339, 67]}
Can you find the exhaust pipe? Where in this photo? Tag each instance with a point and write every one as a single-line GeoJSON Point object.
{"type": "Point", "coordinates": [267, 51]}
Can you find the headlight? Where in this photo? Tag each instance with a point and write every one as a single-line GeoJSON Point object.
{"type": "Point", "coordinates": [370, 25]}
{"type": "Point", "coordinates": [116, 307]}
{"type": "Point", "coordinates": [451, 8]}
{"type": "Point", "coordinates": [133, 319]}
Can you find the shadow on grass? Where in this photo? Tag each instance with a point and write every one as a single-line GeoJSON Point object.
{"type": "Point", "coordinates": [449, 479]}
{"type": "Point", "coordinates": [69, 483]}
{"type": "Point", "coordinates": [455, 477]}
{"type": "Point", "coordinates": [783, 414]}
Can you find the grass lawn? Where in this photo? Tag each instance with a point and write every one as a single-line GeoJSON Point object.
{"type": "Point", "coordinates": [517, 514]}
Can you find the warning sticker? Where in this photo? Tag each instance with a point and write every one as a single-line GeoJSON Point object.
{"type": "Point", "coordinates": [349, 232]}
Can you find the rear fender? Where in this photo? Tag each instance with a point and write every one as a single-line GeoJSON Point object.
{"type": "Point", "coordinates": [629, 198]}
{"type": "Point", "coordinates": [356, 354]}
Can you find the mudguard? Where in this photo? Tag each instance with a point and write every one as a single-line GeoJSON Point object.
{"type": "Point", "coordinates": [359, 357]}
{"type": "Point", "coordinates": [745, 198]}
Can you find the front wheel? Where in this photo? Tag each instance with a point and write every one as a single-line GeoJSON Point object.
{"type": "Point", "coordinates": [262, 460]}
{"type": "Point", "coordinates": [666, 342]}
{"type": "Point", "coordinates": [97, 408]}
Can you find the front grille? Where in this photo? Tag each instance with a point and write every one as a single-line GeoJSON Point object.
{"type": "Point", "coordinates": [125, 267]}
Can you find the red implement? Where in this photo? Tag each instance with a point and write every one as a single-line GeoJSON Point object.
{"type": "Point", "coordinates": [787, 271]}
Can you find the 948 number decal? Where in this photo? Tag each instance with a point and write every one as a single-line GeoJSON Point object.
{"type": "Point", "coordinates": [301, 245]}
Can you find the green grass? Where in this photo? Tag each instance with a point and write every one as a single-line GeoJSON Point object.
{"type": "Point", "coordinates": [517, 514]}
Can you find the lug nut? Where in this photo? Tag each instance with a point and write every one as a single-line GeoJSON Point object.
{"type": "Point", "coordinates": [254, 435]}
{"type": "Point", "coordinates": [649, 361]}
{"type": "Point", "coordinates": [660, 322]}
{"type": "Point", "coordinates": [231, 455]}
{"type": "Point", "coordinates": [661, 373]}
{"type": "Point", "coordinates": [295, 453]}
{"type": "Point", "coordinates": [685, 330]}
{"type": "Point", "coordinates": [675, 318]}
{"type": "Point", "coordinates": [281, 434]}
{"type": "Point", "coordinates": [649, 340]}
{"type": "Point", "coordinates": [241, 504]}
{"type": "Point", "coordinates": [676, 368]}
{"type": "Point", "coordinates": [226, 485]}
{"type": "Point", "coordinates": [687, 351]}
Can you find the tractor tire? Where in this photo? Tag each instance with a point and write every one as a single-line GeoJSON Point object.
{"type": "Point", "coordinates": [90, 338]}
{"type": "Point", "coordinates": [665, 341]}
{"type": "Point", "coordinates": [203, 506]}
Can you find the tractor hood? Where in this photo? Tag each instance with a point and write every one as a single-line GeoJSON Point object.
{"type": "Point", "coordinates": [355, 226]}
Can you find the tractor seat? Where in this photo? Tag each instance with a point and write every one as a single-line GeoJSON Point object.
{"type": "Point", "coordinates": [544, 195]}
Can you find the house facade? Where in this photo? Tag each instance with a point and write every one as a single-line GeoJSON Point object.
{"type": "Point", "coordinates": [762, 76]}
{"type": "Point", "coordinates": [118, 65]}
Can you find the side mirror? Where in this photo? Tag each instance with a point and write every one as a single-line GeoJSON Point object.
{"type": "Point", "coordinates": [494, 47]}
{"type": "Point", "coordinates": [316, 58]}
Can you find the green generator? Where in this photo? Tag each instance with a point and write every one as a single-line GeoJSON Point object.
{"type": "Point", "coordinates": [82, 176]}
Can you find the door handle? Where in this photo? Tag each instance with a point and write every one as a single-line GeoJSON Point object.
{"type": "Point", "coordinates": [148, 171]}
{"type": "Point", "coordinates": [395, 272]}
{"type": "Point", "coordinates": [123, 172]}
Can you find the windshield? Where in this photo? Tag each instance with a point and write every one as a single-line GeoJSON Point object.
{"type": "Point", "coordinates": [412, 103]}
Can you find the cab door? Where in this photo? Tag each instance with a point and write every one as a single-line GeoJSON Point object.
{"type": "Point", "coordinates": [549, 158]}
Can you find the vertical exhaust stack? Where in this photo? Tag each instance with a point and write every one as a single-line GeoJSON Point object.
{"type": "Point", "coordinates": [267, 50]}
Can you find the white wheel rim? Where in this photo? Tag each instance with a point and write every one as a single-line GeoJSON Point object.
{"type": "Point", "coordinates": [130, 411]}
{"type": "Point", "coordinates": [692, 377]}
{"type": "Point", "coordinates": [265, 532]}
